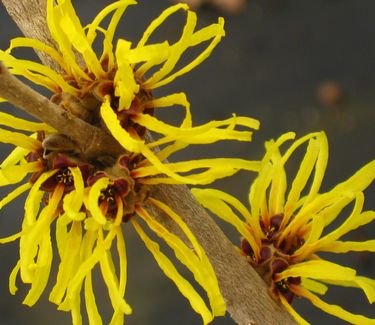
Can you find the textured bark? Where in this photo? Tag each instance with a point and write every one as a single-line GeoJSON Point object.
{"type": "Point", "coordinates": [246, 294]}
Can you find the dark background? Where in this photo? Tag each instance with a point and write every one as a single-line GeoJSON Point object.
{"type": "Point", "coordinates": [275, 57]}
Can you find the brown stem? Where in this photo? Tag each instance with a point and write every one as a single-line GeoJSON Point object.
{"type": "Point", "coordinates": [247, 296]}
{"type": "Point", "coordinates": [92, 141]}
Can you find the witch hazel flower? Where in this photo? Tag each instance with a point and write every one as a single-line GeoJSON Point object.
{"type": "Point", "coordinates": [88, 201]}
{"type": "Point", "coordinates": [287, 225]}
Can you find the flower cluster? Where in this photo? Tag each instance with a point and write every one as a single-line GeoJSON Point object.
{"type": "Point", "coordinates": [284, 229]}
{"type": "Point", "coordinates": [89, 199]}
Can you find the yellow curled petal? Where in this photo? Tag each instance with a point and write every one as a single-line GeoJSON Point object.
{"type": "Point", "coordinates": [14, 194]}
{"type": "Point", "coordinates": [20, 140]}
{"type": "Point", "coordinates": [126, 86]}
{"type": "Point", "coordinates": [93, 200]}
{"type": "Point", "coordinates": [18, 154]}
{"type": "Point", "coordinates": [39, 46]}
{"type": "Point", "coordinates": [205, 34]}
{"type": "Point", "coordinates": [15, 174]}
{"type": "Point", "coordinates": [158, 21]}
{"type": "Point", "coordinates": [121, 135]}
{"type": "Point", "coordinates": [214, 201]}
{"type": "Point", "coordinates": [12, 278]}
{"type": "Point", "coordinates": [42, 271]}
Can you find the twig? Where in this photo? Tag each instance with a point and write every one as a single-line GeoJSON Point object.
{"type": "Point", "coordinates": [92, 141]}
{"type": "Point", "coordinates": [246, 294]}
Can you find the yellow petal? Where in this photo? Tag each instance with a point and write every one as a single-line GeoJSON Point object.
{"type": "Point", "coordinates": [119, 8]}
{"type": "Point", "coordinates": [305, 170]}
{"type": "Point", "coordinates": [333, 309]}
{"type": "Point", "coordinates": [170, 271]}
{"type": "Point", "coordinates": [42, 270]}
{"type": "Point", "coordinates": [71, 26]}
{"type": "Point", "coordinates": [112, 284]}
{"type": "Point", "coordinates": [314, 286]}
{"type": "Point", "coordinates": [36, 242]}
{"type": "Point", "coordinates": [158, 21]}
{"type": "Point", "coordinates": [18, 154]}
{"type": "Point", "coordinates": [73, 201]}
{"type": "Point", "coordinates": [54, 15]}
{"type": "Point", "coordinates": [13, 277]}
{"type": "Point", "coordinates": [33, 199]}
{"type": "Point", "coordinates": [204, 134]}
{"type": "Point", "coordinates": [15, 174]}
{"type": "Point", "coordinates": [215, 169]}
{"type": "Point", "coordinates": [204, 274]}
{"type": "Point", "coordinates": [126, 86]}
{"type": "Point", "coordinates": [292, 311]}
{"type": "Point", "coordinates": [121, 135]}
{"type": "Point", "coordinates": [359, 181]}
{"type": "Point", "coordinates": [14, 194]}
{"type": "Point", "coordinates": [349, 246]}
{"type": "Point", "coordinates": [21, 124]}
{"type": "Point", "coordinates": [216, 201]}
{"type": "Point", "coordinates": [11, 238]}
{"type": "Point", "coordinates": [317, 269]}
{"type": "Point", "coordinates": [68, 264]}
{"type": "Point", "coordinates": [91, 306]}
{"type": "Point", "coordinates": [20, 140]}
{"type": "Point", "coordinates": [39, 46]}
{"type": "Point", "coordinates": [93, 200]}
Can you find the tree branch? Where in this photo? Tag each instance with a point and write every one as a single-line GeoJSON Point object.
{"type": "Point", "coordinates": [248, 299]}
{"type": "Point", "coordinates": [92, 141]}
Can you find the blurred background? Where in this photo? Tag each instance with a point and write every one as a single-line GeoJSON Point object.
{"type": "Point", "coordinates": [296, 65]}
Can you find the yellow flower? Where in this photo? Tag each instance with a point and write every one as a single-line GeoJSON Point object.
{"type": "Point", "coordinates": [285, 227]}
{"type": "Point", "coordinates": [88, 206]}
{"type": "Point", "coordinates": [115, 89]}
{"type": "Point", "coordinates": [88, 201]}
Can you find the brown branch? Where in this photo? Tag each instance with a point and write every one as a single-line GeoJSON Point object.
{"type": "Point", "coordinates": [92, 141]}
{"type": "Point", "coordinates": [247, 296]}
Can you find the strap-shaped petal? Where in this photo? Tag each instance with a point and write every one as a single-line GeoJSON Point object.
{"type": "Point", "coordinates": [126, 87]}
{"type": "Point", "coordinates": [14, 194]}
{"type": "Point", "coordinates": [217, 202]}
{"type": "Point", "coordinates": [93, 200]}
{"type": "Point", "coordinates": [15, 174]}
{"type": "Point", "coordinates": [292, 311]}
{"type": "Point", "coordinates": [69, 262]}
{"type": "Point", "coordinates": [170, 271]}
{"type": "Point", "coordinates": [73, 201]}
{"type": "Point", "coordinates": [350, 246]}
{"type": "Point", "coordinates": [317, 269]}
{"type": "Point", "coordinates": [314, 286]}
{"type": "Point", "coordinates": [198, 263]}
{"type": "Point", "coordinates": [20, 140]}
{"type": "Point", "coordinates": [332, 309]}
{"type": "Point", "coordinates": [24, 125]}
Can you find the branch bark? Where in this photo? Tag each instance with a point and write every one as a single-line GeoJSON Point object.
{"type": "Point", "coordinates": [248, 299]}
{"type": "Point", "coordinates": [92, 141]}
